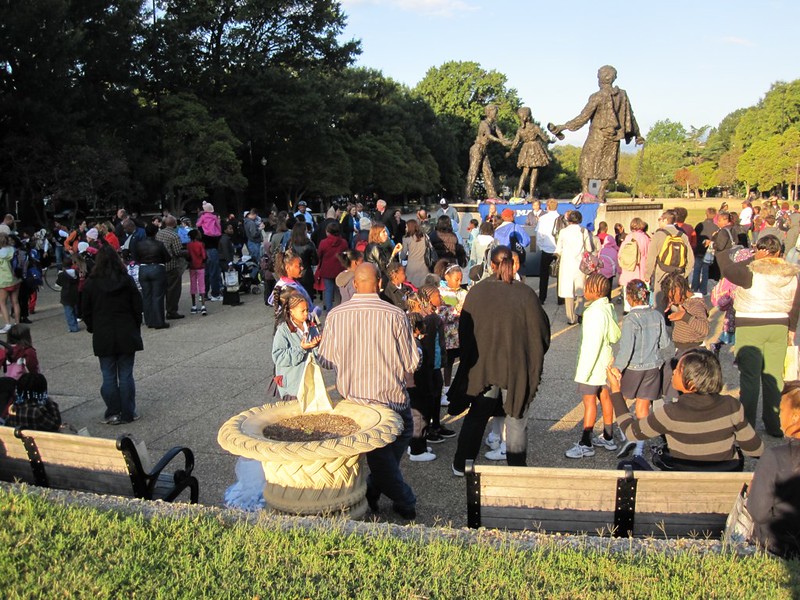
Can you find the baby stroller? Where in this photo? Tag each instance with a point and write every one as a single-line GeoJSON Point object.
{"type": "Point", "coordinates": [249, 275]}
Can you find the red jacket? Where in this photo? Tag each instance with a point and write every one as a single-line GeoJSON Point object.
{"type": "Point", "coordinates": [197, 255]}
{"type": "Point", "coordinates": [329, 250]}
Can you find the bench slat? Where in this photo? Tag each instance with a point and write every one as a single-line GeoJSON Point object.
{"type": "Point", "coordinates": [497, 497]}
{"type": "Point", "coordinates": [88, 480]}
{"type": "Point", "coordinates": [577, 500]}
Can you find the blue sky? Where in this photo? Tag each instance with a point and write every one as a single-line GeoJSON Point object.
{"type": "Point", "coordinates": [692, 62]}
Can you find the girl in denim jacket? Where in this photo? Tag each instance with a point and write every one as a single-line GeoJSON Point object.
{"type": "Point", "coordinates": [644, 334]}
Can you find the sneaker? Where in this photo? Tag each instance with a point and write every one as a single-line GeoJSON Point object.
{"type": "Point", "coordinates": [424, 457]}
{"type": "Point", "coordinates": [215, 298]}
{"type": "Point", "coordinates": [627, 448]}
{"type": "Point", "coordinates": [408, 450]}
{"type": "Point", "coordinates": [194, 310]}
{"type": "Point", "coordinates": [109, 420]}
{"type": "Point", "coordinates": [579, 451]}
{"type": "Point", "coordinates": [604, 443]}
{"type": "Point", "coordinates": [446, 433]}
{"type": "Point", "coordinates": [434, 437]}
{"type": "Point", "coordinates": [445, 401]}
{"type": "Point", "coordinates": [203, 310]}
{"type": "Point", "coordinates": [499, 454]}
{"type": "Point", "coordinates": [493, 440]}
{"type": "Point", "coordinates": [456, 472]}
{"type": "Point", "coordinates": [6, 328]}
{"type": "Point", "coordinates": [116, 420]}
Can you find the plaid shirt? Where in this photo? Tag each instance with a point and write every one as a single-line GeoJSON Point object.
{"type": "Point", "coordinates": [34, 415]}
{"type": "Point", "coordinates": [170, 238]}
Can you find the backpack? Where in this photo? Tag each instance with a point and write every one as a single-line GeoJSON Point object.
{"type": "Point", "coordinates": [629, 256]}
{"type": "Point", "coordinates": [561, 223]}
{"type": "Point", "coordinates": [673, 253]}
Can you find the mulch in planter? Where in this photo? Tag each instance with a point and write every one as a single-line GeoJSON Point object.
{"type": "Point", "coordinates": [310, 428]}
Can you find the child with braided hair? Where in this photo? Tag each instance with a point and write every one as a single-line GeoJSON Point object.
{"type": "Point", "coordinates": [598, 331]}
{"type": "Point", "coordinates": [687, 312]}
{"type": "Point", "coordinates": [644, 335]}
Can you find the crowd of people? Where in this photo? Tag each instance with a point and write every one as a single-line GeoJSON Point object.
{"type": "Point", "coordinates": [415, 316]}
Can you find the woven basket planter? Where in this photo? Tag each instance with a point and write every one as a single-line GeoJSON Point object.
{"type": "Point", "coordinates": [312, 478]}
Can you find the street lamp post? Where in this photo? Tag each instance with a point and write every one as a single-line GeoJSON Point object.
{"type": "Point", "coordinates": [264, 174]}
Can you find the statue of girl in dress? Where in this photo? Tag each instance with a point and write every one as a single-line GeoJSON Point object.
{"type": "Point", "coordinates": [533, 154]}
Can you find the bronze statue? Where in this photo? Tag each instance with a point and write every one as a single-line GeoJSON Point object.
{"type": "Point", "coordinates": [611, 116]}
{"type": "Point", "coordinates": [533, 154]}
{"type": "Point", "coordinates": [487, 132]}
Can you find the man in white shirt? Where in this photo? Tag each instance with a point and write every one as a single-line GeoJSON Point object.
{"type": "Point", "coordinates": [546, 242]}
{"type": "Point", "coordinates": [746, 216]}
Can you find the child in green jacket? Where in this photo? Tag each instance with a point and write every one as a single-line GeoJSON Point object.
{"type": "Point", "coordinates": [598, 332]}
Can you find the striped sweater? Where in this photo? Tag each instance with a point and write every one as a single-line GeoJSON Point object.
{"type": "Point", "coordinates": [699, 427]}
{"type": "Point", "coordinates": [692, 329]}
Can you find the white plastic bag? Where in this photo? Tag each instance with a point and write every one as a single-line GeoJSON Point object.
{"type": "Point", "coordinates": [312, 395]}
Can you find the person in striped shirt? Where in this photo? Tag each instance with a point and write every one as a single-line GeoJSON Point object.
{"type": "Point", "coordinates": [369, 343]}
{"type": "Point", "coordinates": [703, 427]}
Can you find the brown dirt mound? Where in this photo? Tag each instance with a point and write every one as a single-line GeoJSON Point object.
{"type": "Point", "coordinates": [311, 428]}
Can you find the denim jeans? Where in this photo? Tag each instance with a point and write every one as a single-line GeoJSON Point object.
{"type": "Point", "coordinates": [384, 468]}
{"type": "Point", "coordinates": [700, 275]}
{"type": "Point", "coordinates": [327, 298]}
{"type": "Point", "coordinates": [118, 389]}
{"type": "Point", "coordinates": [153, 279]}
{"type": "Point", "coordinates": [474, 426]}
{"type": "Point", "coordinates": [213, 272]}
{"type": "Point", "coordinates": [71, 317]}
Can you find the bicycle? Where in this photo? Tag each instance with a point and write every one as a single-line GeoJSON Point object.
{"type": "Point", "coordinates": [49, 275]}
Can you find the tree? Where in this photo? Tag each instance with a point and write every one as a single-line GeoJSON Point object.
{"type": "Point", "coordinates": [67, 79]}
{"type": "Point", "coordinates": [666, 132]}
{"type": "Point", "coordinates": [199, 152]}
{"type": "Point", "coordinates": [775, 113]}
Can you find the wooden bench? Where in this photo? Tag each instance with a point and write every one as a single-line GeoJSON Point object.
{"type": "Point", "coordinates": [602, 502]}
{"type": "Point", "coordinates": [73, 462]}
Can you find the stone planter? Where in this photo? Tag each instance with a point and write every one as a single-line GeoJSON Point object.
{"type": "Point", "coordinates": [310, 478]}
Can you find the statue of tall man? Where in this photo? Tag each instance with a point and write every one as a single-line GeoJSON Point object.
{"type": "Point", "coordinates": [478, 159]}
{"type": "Point", "coordinates": [611, 116]}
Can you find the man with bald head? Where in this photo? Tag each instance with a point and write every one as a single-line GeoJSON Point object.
{"type": "Point", "coordinates": [168, 236]}
{"type": "Point", "coordinates": [369, 344]}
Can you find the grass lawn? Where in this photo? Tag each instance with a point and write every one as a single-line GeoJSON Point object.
{"type": "Point", "coordinates": [697, 206]}
{"type": "Point", "coordinates": [50, 550]}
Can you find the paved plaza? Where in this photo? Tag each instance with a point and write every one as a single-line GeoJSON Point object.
{"type": "Point", "coordinates": [195, 375]}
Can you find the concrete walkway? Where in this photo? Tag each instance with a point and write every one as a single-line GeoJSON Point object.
{"type": "Point", "coordinates": [194, 376]}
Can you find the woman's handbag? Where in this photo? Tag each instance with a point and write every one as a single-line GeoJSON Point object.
{"type": "Point", "coordinates": [554, 264]}
{"type": "Point", "coordinates": [430, 254]}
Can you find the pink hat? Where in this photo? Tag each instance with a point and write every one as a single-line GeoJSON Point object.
{"type": "Point", "coordinates": [92, 234]}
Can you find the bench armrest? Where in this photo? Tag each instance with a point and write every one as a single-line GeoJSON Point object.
{"type": "Point", "coordinates": [182, 477]}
